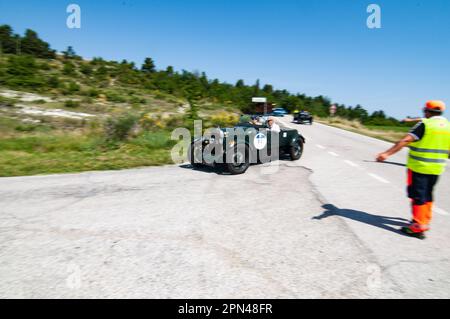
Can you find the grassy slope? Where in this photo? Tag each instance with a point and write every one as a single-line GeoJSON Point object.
{"type": "Point", "coordinates": [58, 145]}
{"type": "Point", "coordinates": [64, 153]}
{"type": "Point", "coordinates": [386, 133]}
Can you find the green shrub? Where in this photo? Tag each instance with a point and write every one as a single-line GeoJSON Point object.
{"type": "Point", "coordinates": [22, 66]}
{"type": "Point", "coordinates": [119, 129]}
{"type": "Point", "coordinates": [73, 87]}
{"type": "Point", "coordinates": [4, 101]}
{"type": "Point", "coordinates": [25, 128]}
{"type": "Point", "coordinates": [154, 140]}
{"type": "Point", "coordinates": [93, 93]}
{"type": "Point", "coordinates": [175, 122]}
{"type": "Point", "coordinates": [53, 82]}
{"type": "Point", "coordinates": [160, 96]}
{"type": "Point", "coordinates": [114, 97]}
{"type": "Point", "coordinates": [135, 106]}
{"type": "Point", "coordinates": [97, 61]}
{"type": "Point", "coordinates": [32, 128]}
{"type": "Point", "coordinates": [69, 68]}
{"type": "Point", "coordinates": [2, 75]}
{"type": "Point", "coordinates": [86, 69]}
{"type": "Point", "coordinates": [31, 82]}
{"type": "Point", "coordinates": [137, 100]}
{"type": "Point", "coordinates": [71, 104]}
{"type": "Point", "coordinates": [22, 71]}
{"type": "Point", "coordinates": [69, 88]}
{"type": "Point", "coordinates": [101, 72]}
{"type": "Point", "coordinates": [88, 100]}
{"type": "Point", "coordinates": [152, 122]}
{"type": "Point", "coordinates": [44, 66]}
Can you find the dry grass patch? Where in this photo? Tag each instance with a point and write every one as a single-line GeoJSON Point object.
{"type": "Point", "coordinates": [355, 126]}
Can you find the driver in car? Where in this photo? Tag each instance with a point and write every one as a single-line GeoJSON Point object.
{"type": "Point", "coordinates": [274, 127]}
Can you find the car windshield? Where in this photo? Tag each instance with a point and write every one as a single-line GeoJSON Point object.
{"type": "Point", "coordinates": [255, 120]}
{"type": "Point", "coordinates": [245, 119]}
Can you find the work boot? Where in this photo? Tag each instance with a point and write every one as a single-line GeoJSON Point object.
{"type": "Point", "coordinates": [410, 233]}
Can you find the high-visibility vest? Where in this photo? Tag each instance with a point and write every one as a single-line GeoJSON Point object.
{"type": "Point", "coordinates": [430, 154]}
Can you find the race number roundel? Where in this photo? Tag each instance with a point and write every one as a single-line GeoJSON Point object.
{"type": "Point", "coordinates": [260, 141]}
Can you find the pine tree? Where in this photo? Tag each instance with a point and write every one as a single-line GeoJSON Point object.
{"type": "Point", "coordinates": [32, 45]}
{"type": "Point", "coordinates": [7, 42]}
{"type": "Point", "coordinates": [69, 53]}
{"type": "Point", "coordinates": [170, 70]}
{"type": "Point", "coordinates": [268, 89]}
{"type": "Point", "coordinates": [148, 66]}
{"type": "Point", "coordinates": [240, 84]}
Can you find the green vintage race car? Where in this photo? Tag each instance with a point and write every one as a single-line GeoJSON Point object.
{"type": "Point", "coordinates": [235, 149]}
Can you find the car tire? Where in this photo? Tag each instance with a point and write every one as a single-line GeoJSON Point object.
{"type": "Point", "coordinates": [296, 151]}
{"type": "Point", "coordinates": [242, 164]}
{"type": "Point", "coordinates": [192, 156]}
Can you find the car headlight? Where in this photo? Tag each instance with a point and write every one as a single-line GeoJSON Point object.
{"type": "Point", "coordinates": [231, 143]}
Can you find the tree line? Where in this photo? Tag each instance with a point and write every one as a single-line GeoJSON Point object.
{"type": "Point", "coordinates": [29, 43]}
{"type": "Point", "coordinates": [22, 70]}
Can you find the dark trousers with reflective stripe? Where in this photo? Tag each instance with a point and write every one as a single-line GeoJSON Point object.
{"type": "Point", "coordinates": [420, 190]}
{"type": "Point", "coordinates": [420, 187]}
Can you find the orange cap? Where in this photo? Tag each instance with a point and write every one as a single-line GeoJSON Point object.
{"type": "Point", "coordinates": [437, 106]}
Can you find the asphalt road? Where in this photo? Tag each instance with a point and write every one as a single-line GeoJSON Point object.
{"type": "Point", "coordinates": [322, 227]}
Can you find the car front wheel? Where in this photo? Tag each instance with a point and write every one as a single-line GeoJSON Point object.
{"type": "Point", "coordinates": [240, 161]}
{"type": "Point", "coordinates": [296, 151]}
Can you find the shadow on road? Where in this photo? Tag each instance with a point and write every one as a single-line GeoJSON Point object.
{"type": "Point", "coordinates": [386, 162]}
{"type": "Point", "coordinates": [383, 222]}
{"type": "Point", "coordinates": [223, 171]}
{"type": "Point", "coordinates": [204, 169]}
{"type": "Point", "coordinates": [300, 124]}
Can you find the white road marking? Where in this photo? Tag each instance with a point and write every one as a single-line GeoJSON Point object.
{"type": "Point", "coordinates": [381, 179]}
{"type": "Point", "coordinates": [321, 147]}
{"type": "Point", "coordinates": [333, 154]}
{"type": "Point", "coordinates": [351, 163]}
{"type": "Point", "coordinates": [440, 211]}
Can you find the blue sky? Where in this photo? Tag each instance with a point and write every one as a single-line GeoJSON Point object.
{"type": "Point", "coordinates": [316, 47]}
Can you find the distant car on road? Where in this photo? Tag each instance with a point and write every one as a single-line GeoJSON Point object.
{"type": "Point", "coordinates": [303, 117]}
{"type": "Point", "coordinates": [238, 151]}
{"type": "Point", "coordinates": [280, 112]}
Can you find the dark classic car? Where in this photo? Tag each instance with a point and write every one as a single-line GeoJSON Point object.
{"type": "Point", "coordinates": [235, 149]}
{"type": "Point", "coordinates": [303, 117]}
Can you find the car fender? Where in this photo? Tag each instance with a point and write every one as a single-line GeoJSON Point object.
{"type": "Point", "coordinates": [296, 139]}
{"type": "Point", "coordinates": [302, 138]}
